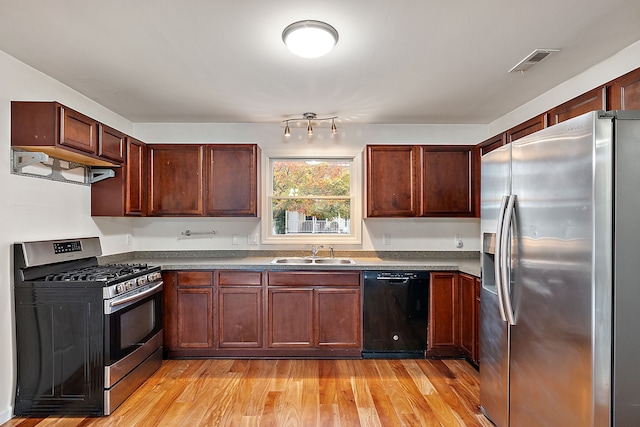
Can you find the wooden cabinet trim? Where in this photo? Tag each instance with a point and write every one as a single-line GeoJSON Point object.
{"type": "Point", "coordinates": [239, 278]}
{"type": "Point", "coordinates": [314, 278]}
{"type": "Point", "coordinates": [195, 278]}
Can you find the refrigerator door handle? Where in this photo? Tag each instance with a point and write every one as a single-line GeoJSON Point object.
{"type": "Point", "coordinates": [505, 279]}
{"type": "Point", "coordinates": [498, 257]}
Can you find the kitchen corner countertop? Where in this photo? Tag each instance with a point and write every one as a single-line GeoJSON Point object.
{"type": "Point", "coordinates": [465, 262]}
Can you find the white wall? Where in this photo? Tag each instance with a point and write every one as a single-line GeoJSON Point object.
{"type": "Point", "coordinates": [34, 209]}
{"type": "Point", "coordinates": [621, 63]}
{"type": "Point", "coordinates": [408, 234]}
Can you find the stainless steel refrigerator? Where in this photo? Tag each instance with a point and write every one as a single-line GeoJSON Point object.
{"type": "Point", "coordinates": [560, 301]}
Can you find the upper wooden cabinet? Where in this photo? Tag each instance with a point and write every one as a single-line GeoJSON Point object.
{"type": "Point", "coordinates": [410, 181]}
{"type": "Point", "coordinates": [125, 194]}
{"type": "Point", "coordinates": [181, 185]}
{"type": "Point", "coordinates": [493, 143]}
{"type": "Point", "coordinates": [111, 144]}
{"type": "Point", "coordinates": [392, 180]}
{"type": "Point", "coordinates": [176, 182]}
{"type": "Point", "coordinates": [527, 128]}
{"type": "Point", "coordinates": [232, 180]}
{"type": "Point", "coordinates": [58, 131]}
{"type": "Point", "coordinates": [624, 92]}
{"type": "Point", "coordinates": [449, 181]}
{"type": "Point", "coordinates": [593, 100]}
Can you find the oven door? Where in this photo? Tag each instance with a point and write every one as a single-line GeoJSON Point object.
{"type": "Point", "coordinates": [131, 321]}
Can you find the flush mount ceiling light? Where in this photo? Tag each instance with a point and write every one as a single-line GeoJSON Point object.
{"type": "Point", "coordinates": [309, 117]}
{"type": "Point", "coordinates": [310, 39]}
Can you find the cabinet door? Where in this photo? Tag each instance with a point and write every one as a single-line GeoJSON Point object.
{"type": "Point", "coordinates": [443, 336]}
{"type": "Point", "coordinates": [449, 183]}
{"type": "Point", "coordinates": [625, 92]}
{"type": "Point", "coordinates": [392, 176]}
{"type": "Point", "coordinates": [125, 193]}
{"type": "Point", "coordinates": [290, 323]}
{"type": "Point", "coordinates": [232, 180]}
{"type": "Point", "coordinates": [135, 184]}
{"type": "Point", "coordinates": [467, 289]}
{"type": "Point", "coordinates": [195, 317]}
{"type": "Point", "coordinates": [593, 100]}
{"type": "Point", "coordinates": [111, 144]}
{"type": "Point", "coordinates": [175, 179]}
{"type": "Point", "coordinates": [240, 322]}
{"type": "Point", "coordinates": [240, 317]}
{"type": "Point", "coordinates": [491, 144]}
{"type": "Point", "coordinates": [337, 318]}
{"type": "Point", "coordinates": [523, 129]}
{"type": "Point", "coordinates": [78, 131]}
{"type": "Point", "coordinates": [188, 310]}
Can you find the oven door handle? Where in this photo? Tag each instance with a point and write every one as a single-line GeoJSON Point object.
{"type": "Point", "coordinates": [137, 296]}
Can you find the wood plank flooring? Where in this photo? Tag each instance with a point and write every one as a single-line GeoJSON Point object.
{"type": "Point", "coordinates": [281, 392]}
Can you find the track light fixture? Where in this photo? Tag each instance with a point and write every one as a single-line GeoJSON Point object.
{"type": "Point", "coordinates": [309, 117]}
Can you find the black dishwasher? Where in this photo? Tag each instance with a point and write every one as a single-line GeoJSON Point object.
{"type": "Point", "coordinates": [396, 305]}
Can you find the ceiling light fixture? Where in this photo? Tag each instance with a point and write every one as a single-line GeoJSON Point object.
{"type": "Point", "coordinates": [310, 39]}
{"type": "Point", "coordinates": [309, 117]}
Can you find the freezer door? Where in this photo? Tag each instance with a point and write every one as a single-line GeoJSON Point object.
{"type": "Point", "coordinates": [552, 372]}
{"type": "Point", "coordinates": [494, 332]}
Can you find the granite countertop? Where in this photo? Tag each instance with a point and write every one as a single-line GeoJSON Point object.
{"type": "Point", "coordinates": [466, 262]}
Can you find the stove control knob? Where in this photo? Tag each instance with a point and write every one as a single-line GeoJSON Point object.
{"type": "Point", "coordinates": [142, 280]}
{"type": "Point", "coordinates": [152, 277]}
{"type": "Point", "coordinates": [130, 285]}
{"type": "Point", "coordinates": [119, 288]}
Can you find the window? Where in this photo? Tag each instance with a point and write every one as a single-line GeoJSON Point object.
{"type": "Point", "coordinates": [312, 200]}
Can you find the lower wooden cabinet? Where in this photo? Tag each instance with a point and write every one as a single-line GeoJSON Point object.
{"type": "Point", "coordinates": [454, 315]}
{"type": "Point", "coordinates": [290, 318]}
{"type": "Point", "coordinates": [188, 312]}
{"type": "Point", "coordinates": [236, 313]}
{"type": "Point", "coordinates": [240, 322]}
{"type": "Point", "coordinates": [319, 311]}
{"type": "Point", "coordinates": [443, 337]}
{"type": "Point", "coordinates": [468, 316]}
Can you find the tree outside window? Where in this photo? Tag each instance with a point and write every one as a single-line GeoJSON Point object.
{"type": "Point", "coordinates": [311, 196]}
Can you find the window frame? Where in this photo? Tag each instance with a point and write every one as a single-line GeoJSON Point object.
{"type": "Point", "coordinates": [355, 198]}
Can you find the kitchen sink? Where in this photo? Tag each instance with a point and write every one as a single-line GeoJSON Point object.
{"type": "Point", "coordinates": [308, 260]}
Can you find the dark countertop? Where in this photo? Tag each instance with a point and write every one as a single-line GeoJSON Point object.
{"type": "Point", "coordinates": [466, 262]}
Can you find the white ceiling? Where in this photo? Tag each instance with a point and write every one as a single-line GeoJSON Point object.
{"type": "Point", "coordinates": [397, 61]}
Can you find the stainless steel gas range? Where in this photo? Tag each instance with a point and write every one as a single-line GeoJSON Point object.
{"type": "Point", "coordinates": [87, 335]}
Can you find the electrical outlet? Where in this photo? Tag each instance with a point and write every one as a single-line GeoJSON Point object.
{"type": "Point", "coordinates": [234, 239]}
{"type": "Point", "coordinates": [128, 239]}
{"type": "Point", "coordinates": [252, 239]}
{"type": "Point", "coordinates": [386, 239]}
{"type": "Point", "coordinates": [458, 241]}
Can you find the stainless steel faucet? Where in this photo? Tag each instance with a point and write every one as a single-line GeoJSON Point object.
{"type": "Point", "coordinates": [314, 250]}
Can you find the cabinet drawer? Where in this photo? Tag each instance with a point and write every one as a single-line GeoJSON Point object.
{"type": "Point", "coordinates": [312, 278]}
{"type": "Point", "coordinates": [239, 278]}
{"type": "Point", "coordinates": [195, 278]}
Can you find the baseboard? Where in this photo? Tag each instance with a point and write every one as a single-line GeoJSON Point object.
{"type": "Point", "coordinates": [6, 415]}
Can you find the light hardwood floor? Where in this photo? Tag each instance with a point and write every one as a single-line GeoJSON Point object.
{"type": "Point", "coordinates": [216, 392]}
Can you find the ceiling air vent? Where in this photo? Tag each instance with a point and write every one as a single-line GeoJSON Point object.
{"type": "Point", "coordinates": [531, 60]}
